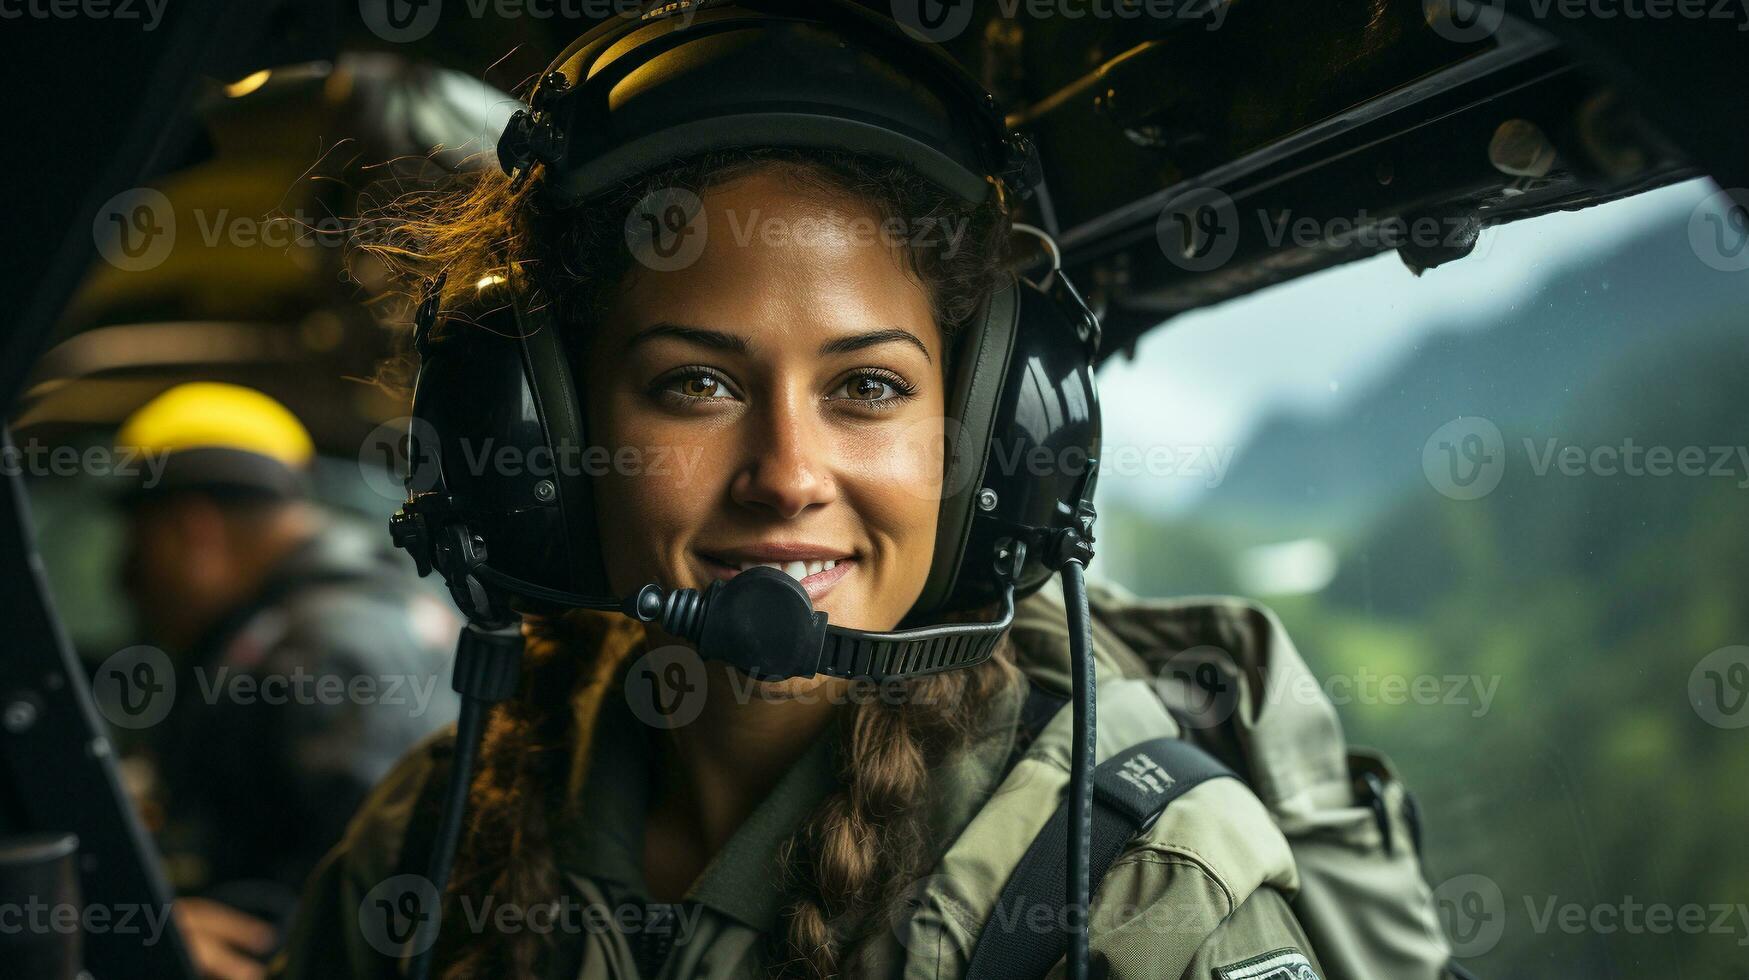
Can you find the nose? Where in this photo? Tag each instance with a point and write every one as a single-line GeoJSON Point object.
{"type": "Point", "coordinates": [789, 465]}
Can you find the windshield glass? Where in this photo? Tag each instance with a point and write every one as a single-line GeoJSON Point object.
{"type": "Point", "coordinates": [1501, 508]}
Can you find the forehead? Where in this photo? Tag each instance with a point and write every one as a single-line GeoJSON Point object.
{"type": "Point", "coordinates": [774, 260]}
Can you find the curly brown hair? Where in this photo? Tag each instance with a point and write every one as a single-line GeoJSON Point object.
{"type": "Point", "coordinates": [867, 839]}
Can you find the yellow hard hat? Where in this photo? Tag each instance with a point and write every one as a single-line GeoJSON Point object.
{"type": "Point", "coordinates": [218, 435]}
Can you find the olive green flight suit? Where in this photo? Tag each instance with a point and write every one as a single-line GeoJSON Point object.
{"type": "Point", "coordinates": [1202, 893]}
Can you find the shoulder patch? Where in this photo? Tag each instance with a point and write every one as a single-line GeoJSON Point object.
{"type": "Point", "coordinates": [1279, 964]}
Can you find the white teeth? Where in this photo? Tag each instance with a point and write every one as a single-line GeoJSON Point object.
{"type": "Point", "coordinates": [797, 570]}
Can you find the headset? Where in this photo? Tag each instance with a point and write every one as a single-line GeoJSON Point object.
{"type": "Point", "coordinates": [495, 369]}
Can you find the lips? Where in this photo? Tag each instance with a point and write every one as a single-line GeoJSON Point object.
{"type": "Point", "coordinates": [817, 575]}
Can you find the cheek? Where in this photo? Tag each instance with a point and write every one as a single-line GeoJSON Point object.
{"type": "Point", "coordinates": [911, 457]}
{"type": "Point", "coordinates": [651, 495]}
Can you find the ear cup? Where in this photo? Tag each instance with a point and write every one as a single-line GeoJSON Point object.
{"type": "Point", "coordinates": [557, 403]}
{"type": "Point", "coordinates": [499, 431]}
{"type": "Point", "coordinates": [1035, 421]}
{"type": "Point", "coordinates": [981, 362]}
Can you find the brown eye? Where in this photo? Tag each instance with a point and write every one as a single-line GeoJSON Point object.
{"type": "Point", "coordinates": [866, 388]}
{"type": "Point", "coordinates": [699, 386]}
{"type": "Point", "coordinates": [695, 385]}
{"type": "Point", "coordinates": [875, 389]}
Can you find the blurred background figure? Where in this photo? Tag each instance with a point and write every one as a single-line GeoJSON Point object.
{"type": "Point", "coordinates": [307, 656]}
{"type": "Point", "coordinates": [238, 351]}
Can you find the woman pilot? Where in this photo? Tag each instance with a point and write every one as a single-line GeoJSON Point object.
{"type": "Point", "coordinates": [764, 313]}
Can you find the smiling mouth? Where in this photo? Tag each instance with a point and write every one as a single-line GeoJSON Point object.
{"type": "Point", "coordinates": [817, 576]}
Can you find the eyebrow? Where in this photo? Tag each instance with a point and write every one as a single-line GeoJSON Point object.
{"type": "Point", "coordinates": [733, 343]}
{"type": "Point", "coordinates": [715, 339]}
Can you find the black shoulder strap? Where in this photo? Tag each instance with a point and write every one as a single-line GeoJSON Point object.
{"type": "Point", "coordinates": [1130, 791]}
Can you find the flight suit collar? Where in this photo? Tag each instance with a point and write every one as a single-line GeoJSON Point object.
{"type": "Point", "coordinates": [742, 881]}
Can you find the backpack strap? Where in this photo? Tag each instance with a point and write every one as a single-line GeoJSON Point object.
{"type": "Point", "coordinates": [1130, 791]}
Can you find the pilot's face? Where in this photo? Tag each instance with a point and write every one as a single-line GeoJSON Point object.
{"type": "Point", "coordinates": [784, 392]}
{"type": "Point", "coordinates": [167, 569]}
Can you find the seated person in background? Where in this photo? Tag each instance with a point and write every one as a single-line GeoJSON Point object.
{"type": "Point", "coordinates": [307, 655]}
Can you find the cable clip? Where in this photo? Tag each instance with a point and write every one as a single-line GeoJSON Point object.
{"type": "Point", "coordinates": [532, 136]}
{"type": "Point", "coordinates": [1022, 171]}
